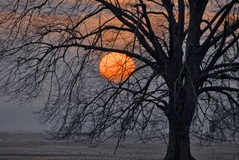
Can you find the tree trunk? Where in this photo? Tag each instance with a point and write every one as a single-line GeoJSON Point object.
{"type": "Point", "coordinates": [179, 141]}
{"type": "Point", "coordinates": [180, 116]}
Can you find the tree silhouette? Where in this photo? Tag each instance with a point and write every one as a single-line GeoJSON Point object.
{"type": "Point", "coordinates": [186, 53]}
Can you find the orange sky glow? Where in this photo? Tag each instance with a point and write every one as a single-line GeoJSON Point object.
{"type": "Point", "coordinates": [121, 66]}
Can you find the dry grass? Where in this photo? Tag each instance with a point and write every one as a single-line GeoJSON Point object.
{"type": "Point", "coordinates": [36, 147]}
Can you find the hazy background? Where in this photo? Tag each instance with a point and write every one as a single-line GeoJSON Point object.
{"type": "Point", "coordinates": [18, 119]}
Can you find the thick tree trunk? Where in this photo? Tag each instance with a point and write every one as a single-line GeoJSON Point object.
{"type": "Point", "coordinates": [179, 141]}
{"type": "Point", "coordinates": [180, 114]}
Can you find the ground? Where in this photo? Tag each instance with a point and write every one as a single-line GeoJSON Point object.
{"type": "Point", "coordinates": [37, 147]}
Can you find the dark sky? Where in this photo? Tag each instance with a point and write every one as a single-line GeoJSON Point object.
{"type": "Point", "coordinates": [18, 119]}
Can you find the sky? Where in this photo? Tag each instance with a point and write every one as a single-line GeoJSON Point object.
{"type": "Point", "coordinates": [18, 119]}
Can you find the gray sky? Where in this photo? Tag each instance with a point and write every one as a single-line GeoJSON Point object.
{"type": "Point", "coordinates": [18, 119]}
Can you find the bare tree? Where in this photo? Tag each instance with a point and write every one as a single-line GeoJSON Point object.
{"type": "Point", "coordinates": [186, 54]}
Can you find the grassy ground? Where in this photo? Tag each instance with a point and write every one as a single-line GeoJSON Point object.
{"type": "Point", "coordinates": [36, 147]}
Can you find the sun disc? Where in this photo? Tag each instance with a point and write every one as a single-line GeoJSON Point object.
{"type": "Point", "coordinates": [116, 67]}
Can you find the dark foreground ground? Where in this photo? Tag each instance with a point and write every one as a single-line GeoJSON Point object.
{"type": "Point", "coordinates": [37, 147]}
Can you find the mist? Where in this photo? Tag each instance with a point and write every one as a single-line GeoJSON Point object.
{"type": "Point", "coordinates": [18, 119]}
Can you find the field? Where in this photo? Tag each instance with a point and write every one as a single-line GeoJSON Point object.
{"type": "Point", "coordinates": [37, 147]}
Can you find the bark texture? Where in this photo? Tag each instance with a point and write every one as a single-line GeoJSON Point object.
{"type": "Point", "coordinates": [181, 110]}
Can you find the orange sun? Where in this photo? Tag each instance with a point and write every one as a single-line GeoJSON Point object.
{"type": "Point", "coordinates": [116, 67]}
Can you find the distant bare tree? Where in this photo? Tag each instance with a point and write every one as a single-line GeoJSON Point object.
{"type": "Point", "coordinates": [186, 54]}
